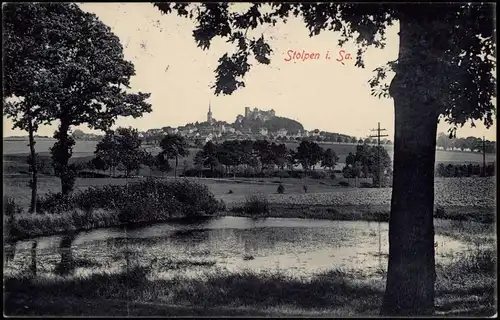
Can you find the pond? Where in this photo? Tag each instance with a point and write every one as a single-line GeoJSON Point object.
{"type": "Point", "coordinates": [301, 247]}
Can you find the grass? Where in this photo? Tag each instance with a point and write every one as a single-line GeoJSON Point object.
{"type": "Point", "coordinates": [466, 287]}
{"type": "Point", "coordinates": [353, 212]}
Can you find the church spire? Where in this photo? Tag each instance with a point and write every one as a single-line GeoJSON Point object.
{"type": "Point", "coordinates": [209, 114]}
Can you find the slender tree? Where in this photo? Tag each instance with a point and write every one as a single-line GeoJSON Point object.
{"type": "Point", "coordinates": [444, 68]}
{"type": "Point", "coordinates": [26, 116]}
{"type": "Point", "coordinates": [173, 147]}
{"type": "Point", "coordinates": [329, 160]}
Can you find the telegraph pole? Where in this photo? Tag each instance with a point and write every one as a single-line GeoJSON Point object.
{"type": "Point", "coordinates": [484, 157]}
{"type": "Point", "coordinates": [378, 136]}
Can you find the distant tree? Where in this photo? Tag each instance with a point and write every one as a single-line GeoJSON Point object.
{"type": "Point", "coordinates": [360, 141]}
{"type": "Point", "coordinates": [198, 161]}
{"type": "Point", "coordinates": [81, 73]}
{"type": "Point", "coordinates": [173, 147]}
{"type": "Point", "coordinates": [339, 139]}
{"type": "Point", "coordinates": [121, 147]}
{"type": "Point", "coordinates": [107, 152]}
{"type": "Point", "coordinates": [354, 140]}
{"type": "Point", "coordinates": [263, 152]}
{"type": "Point", "coordinates": [162, 163]}
{"type": "Point", "coordinates": [291, 159]}
{"type": "Point", "coordinates": [444, 141]}
{"type": "Point", "coordinates": [100, 164]}
{"type": "Point", "coordinates": [209, 154]}
{"type": "Point", "coordinates": [330, 159]}
{"type": "Point", "coordinates": [78, 134]}
{"type": "Point", "coordinates": [367, 141]}
{"type": "Point", "coordinates": [227, 154]}
{"type": "Point", "coordinates": [279, 152]}
{"type": "Point", "coordinates": [185, 166]}
{"type": "Point", "coordinates": [309, 153]}
{"type": "Point", "coordinates": [149, 161]}
{"type": "Point", "coordinates": [461, 144]}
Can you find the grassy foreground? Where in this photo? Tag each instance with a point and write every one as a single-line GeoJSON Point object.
{"type": "Point", "coordinates": [464, 288]}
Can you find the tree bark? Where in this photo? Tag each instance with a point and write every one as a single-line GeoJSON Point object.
{"type": "Point", "coordinates": [34, 167]}
{"type": "Point", "coordinates": [176, 164]}
{"type": "Point", "coordinates": [411, 268]}
{"type": "Point", "coordinates": [62, 156]}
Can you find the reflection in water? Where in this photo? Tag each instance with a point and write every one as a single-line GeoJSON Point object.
{"type": "Point", "coordinates": [9, 251]}
{"type": "Point", "coordinates": [66, 266]}
{"type": "Point", "coordinates": [33, 257]}
{"type": "Point", "coordinates": [298, 245]}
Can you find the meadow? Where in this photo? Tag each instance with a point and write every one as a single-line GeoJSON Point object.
{"type": "Point", "coordinates": [218, 267]}
{"type": "Point", "coordinates": [87, 148]}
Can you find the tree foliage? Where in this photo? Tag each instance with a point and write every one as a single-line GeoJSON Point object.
{"type": "Point", "coordinates": [462, 49]}
{"type": "Point", "coordinates": [74, 66]}
{"type": "Point", "coordinates": [121, 148]}
{"type": "Point", "coordinates": [173, 147]}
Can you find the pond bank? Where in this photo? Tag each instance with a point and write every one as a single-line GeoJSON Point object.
{"type": "Point", "coordinates": [360, 212]}
{"type": "Point", "coordinates": [30, 226]}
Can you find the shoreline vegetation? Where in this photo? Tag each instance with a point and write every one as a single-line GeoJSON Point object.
{"type": "Point", "coordinates": [138, 290]}
{"type": "Point", "coordinates": [27, 226]}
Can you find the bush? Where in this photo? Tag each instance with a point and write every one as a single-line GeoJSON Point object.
{"type": "Point", "coordinates": [317, 175]}
{"type": "Point", "coordinates": [283, 174]}
{"type": "Point", "coordinates": [333, 176]}
{"type": "Point", "coordinates": [439, 212]}
{"type": "Point", "coordinates": [344, 183]}
{"type": "Point", "coordinates": [147, 200]}
{"type": "Point", "coordinates": [256, 204]}
{"type": "Point", "coordinates": [366, 185]}
{"type": "Point", "coordinates": [11, 207]}
{"type": "Point", "coordinates": [281, 189]}
{"type": "Point", "coordinates": [230, 192]}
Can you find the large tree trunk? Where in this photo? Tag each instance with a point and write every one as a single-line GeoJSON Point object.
{"type": "Point", "coordinates": [63, 152]}
{"type": "Point", "coordinates": [34, 167]}
{"type": "Point", "coordinates": [411, 267]}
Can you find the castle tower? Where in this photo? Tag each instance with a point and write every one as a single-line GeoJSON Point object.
{"type": "Point", "coordinates": [209, 114]}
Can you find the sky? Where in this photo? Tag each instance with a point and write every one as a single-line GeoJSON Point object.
{"type": "Point", "coordinates": [319, 93]}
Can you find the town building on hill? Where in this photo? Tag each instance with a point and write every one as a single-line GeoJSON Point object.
{"type": "Point", "coordinates": [281, 132]}
{"type": "Point", "coordinates": [259, 114]}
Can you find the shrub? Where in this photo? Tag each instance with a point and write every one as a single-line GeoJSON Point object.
{"type": "Point", "coordinates": [230, 192]}
{"type": "Point", "coordinates": [281, 189]}
{"type": "Point", "coordinates": [256, 204]}
{"type": "Point", "coordinates": [439, 212]}
{"type": "Point", "coordinates": [147, 200]}
{"type": "Point", "coordinates": [317, 175]}
{"type": "Point", "coordinates": [344, 183]}
{"type": "Point", "coordinates": [366, 185]}
{"type": "Point", "coordinates": [11, 207]}
{"type": "Point", "coordinates": [283, 174]}
{"type": "Point", "coordinates": [333, 176]}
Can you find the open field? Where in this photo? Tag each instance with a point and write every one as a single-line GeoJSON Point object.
{"type": "Point", "coordinates": [463, 192]}
{"type": "Point", "coordinates": [87, 148]}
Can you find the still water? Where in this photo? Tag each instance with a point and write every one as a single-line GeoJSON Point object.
{"type": "Point", "coordinates": [301, 247]}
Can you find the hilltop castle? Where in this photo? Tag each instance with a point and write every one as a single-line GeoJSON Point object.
{"type": "Point", "coordinates": [259, 114]}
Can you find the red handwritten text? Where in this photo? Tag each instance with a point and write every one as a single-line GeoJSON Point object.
{"type": "Point", "coordinates": [292, 55]}
{"type": "Point", "coordinates": [296, 55]}
{"type": "Point", "coordinates": [343, 56]}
